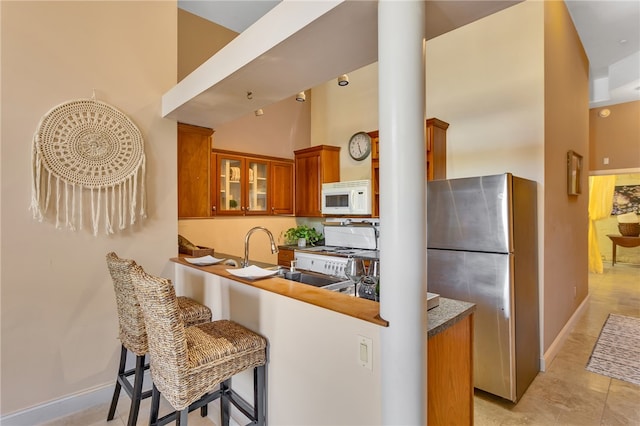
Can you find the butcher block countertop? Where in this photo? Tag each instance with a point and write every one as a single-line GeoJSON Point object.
{"type": "Point", "coordinates": [448, 313]}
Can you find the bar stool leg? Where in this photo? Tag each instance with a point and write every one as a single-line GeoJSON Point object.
{"type": "Point", "coordinates": [184, 417]}
{"type": "Point", "coordinates": [155, 405]}
{"type": "Point", "coordinates": [116, 391]}
{"type": "Point", "coordinates": [224, 402]}
{"type": "Point", "coordinates": [137, 391]}
{"type": "Point", "coordinates": [259, 392]}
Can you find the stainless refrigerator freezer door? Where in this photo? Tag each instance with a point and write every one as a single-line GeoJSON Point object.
{"type": "Point", "coordinates": [486, 280]}
{"type": "Point", "coordinates": [472, 214]}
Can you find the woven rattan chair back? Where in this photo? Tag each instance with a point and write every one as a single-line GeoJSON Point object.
{"type": "Point", "coordinates": [168, 348]}
{"type": "Point", "coordinates": [132, 330]}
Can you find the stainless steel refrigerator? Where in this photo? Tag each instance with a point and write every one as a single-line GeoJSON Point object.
{"type": "Point", "coordinates": [482, 248]}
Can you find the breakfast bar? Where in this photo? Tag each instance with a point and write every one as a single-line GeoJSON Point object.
{"type": "Point", "coordinates": [314, 346]}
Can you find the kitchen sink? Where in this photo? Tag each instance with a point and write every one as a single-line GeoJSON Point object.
{"type": "Point", "coordinates": [319, 280]}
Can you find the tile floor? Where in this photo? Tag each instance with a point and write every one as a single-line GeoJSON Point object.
{"type": "Point", "coordinates": [566, 394]}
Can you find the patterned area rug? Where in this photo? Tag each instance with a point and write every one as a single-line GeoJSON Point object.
{"type": "Point", "coordinates": [617, 351]}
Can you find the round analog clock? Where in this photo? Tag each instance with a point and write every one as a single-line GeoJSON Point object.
{"type": "Point", "coordinates": [359, 146]}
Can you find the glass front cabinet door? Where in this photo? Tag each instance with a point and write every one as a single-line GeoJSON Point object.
{"type": "Point", "coordinates": [257, 186]}
{"type": "Point", "coordinates": [242, 185]}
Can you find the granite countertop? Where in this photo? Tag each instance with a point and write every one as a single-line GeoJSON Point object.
{"type": "Point", "coordinates": [448, 313]}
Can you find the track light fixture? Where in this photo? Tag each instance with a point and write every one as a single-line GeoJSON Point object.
{"type": "Point", "coordinates": [301, 97]}
{"type": "Point", "coordinates": [259, 112]}
{"type": "Point", "coordinates": [343, 80]}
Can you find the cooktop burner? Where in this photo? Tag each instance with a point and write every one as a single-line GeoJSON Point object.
{"type": "Point", "coordinates": [340, 251]}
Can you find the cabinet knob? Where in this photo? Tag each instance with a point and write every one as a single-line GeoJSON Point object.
{"type": "Point", "coordinates": [213, 208]}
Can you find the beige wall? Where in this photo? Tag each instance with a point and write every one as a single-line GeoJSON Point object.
{"type": "Point", "coordinates": [339, 112]}
{"type": "Point", "coordinates": [616, 137]}
{"type": "Point", "coordinates": [284, 128]}
{"type": "Point", "coordinates": [566, 128]}
{"type": "Point", "coordinates": [59, 321]}
{"type": "Point", "coordinates": [198, 40]}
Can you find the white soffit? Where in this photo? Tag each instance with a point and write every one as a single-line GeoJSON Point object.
{"type": "Point", "coordinates": [295, 46]}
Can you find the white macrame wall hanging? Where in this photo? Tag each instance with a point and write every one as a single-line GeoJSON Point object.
{"type": "Point", "coordinates": [88, 146]}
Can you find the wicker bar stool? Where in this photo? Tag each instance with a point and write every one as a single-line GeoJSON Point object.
{"type": "Point", "coordinates": [133, 335]}
{"type": "Point", "coordinates": [192, 366]}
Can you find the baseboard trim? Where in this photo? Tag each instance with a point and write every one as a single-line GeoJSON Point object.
{"type": "Point", "coordinates": [555, 347]}
{"type": "Point", "coordinates": [71, 404]}
{"type": "Point", "coordinates": [60, 407]}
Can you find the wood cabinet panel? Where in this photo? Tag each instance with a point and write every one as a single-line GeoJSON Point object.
{"type": "Point", "coordinates": [313, 167]}
{"type": "Point", "coordinates": [285, 256]}
{"type": "Point", "coordinates": [436, 149]}
{"type": "Point", "coordinates": [194, 146]}
{"type": "Point", "coordinates": [375, 173]}
{"type": "Point", "coordinates": [450, 375]}
{"type": "Point", "coordinates": [282, 188]}
{"type": "Point", "coordinates": [435, 157]}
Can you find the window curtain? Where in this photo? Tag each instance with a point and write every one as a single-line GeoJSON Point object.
{"type": "Point", "coordinates": [601, 190]}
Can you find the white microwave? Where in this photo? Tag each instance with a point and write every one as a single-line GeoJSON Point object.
{"type": "Point", "coordinates": [346, 198]}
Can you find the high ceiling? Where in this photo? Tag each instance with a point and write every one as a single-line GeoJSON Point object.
{"type": "Point", "coordinates": [609, 31]}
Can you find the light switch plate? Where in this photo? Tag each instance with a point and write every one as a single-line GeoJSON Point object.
{"type": "Point", "coordinates": [365, 352]}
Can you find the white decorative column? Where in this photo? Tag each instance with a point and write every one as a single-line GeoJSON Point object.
{"type": "Point", "coordinates": [402, 210]}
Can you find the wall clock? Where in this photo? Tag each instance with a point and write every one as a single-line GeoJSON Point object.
{"type": "Point", "coordinates": [360, 146]}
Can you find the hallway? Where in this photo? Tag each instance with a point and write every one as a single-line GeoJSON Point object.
{"type": "Point", "coordinates": [568, 394]}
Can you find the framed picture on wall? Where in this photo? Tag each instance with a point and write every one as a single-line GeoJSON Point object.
{"type": "Point", "coordinates": [626, 199]}
{"type": "Point", "coordinates": [574, 173]}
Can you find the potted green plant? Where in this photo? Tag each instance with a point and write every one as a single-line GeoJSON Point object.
{"type": "Point", "coordinates": [300, 233]}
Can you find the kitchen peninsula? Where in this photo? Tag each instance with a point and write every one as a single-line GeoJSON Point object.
{"type": "Point", "coordinates": [316, 371]}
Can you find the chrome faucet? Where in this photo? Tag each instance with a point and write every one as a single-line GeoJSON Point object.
{"type": "Point", "coordinates": [274, 248]}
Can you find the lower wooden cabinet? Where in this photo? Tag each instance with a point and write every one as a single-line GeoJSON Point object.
{"type": "Point", "coordinates": [285, 256]}
{"type": "Point", "coordinates": [450, 375]}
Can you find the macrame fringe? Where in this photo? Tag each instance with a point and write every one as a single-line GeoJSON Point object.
{"type": "Point", "coordinates": [119, 200]}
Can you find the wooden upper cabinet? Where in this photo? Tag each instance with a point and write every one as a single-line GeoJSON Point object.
{"type": "Point", "coordinates": [436, 149]}
{"type": "Point", "coordinates": [435, 157]}
{"type": "Point", "coordinates": [313, 167]}
{"type": "Point", "coordinates": [375, 173]}
{"type": "Point", "coordinates": [251, 185]}
{"type": "Point", "coordinates": [194, 147]}
{"type": "Point", "coordinates": [282, 185]}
